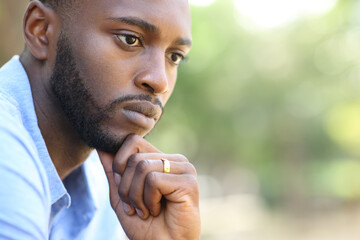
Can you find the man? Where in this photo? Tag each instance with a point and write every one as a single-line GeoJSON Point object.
{"type": "Point", "coordinates": [94, 75]}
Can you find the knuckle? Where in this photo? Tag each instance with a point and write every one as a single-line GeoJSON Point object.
{"type": "Point", "coordinates": [151, 179]}
{"type": "Point", "coordinates": [117, 167]}
{"type": "Point", "coordinates": [192, 169]}
{"type": "Point", "coordinates": [196, 188]}
{"type": "Point", "coordinates": [191, 179]}
{"type": "Point", "coordinates": [181, 157]}
{"type": "Point", "coordinates": [134, 138]}
{"type": "Point", "coordinates": [142, 166]}
{"type": "Point", "coordinates": [132, 161]}
{"type": "Point", "coordinates": [193, 184]}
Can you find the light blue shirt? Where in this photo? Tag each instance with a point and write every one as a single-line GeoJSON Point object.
{"type": "Point", "coordinates": [34, 202]}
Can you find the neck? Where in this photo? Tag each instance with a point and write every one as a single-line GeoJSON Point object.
{"type": "Point", "coordinates": [65, 147]}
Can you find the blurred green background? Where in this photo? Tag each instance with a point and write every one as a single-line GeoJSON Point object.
{"type": "Point", "coordinates": [268, 110]}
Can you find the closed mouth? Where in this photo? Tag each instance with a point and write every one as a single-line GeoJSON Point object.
{"type": "Point", "coordinates": [145, 108]}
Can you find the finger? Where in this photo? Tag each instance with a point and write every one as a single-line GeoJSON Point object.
{"type": "Point", "coordinates": [160, 155]}
{"type": "Point", "coordinates": [132, 144]}
{"type": "Point", "coordinates": [133, 187]}
{"type": "Point", "coordinates": [107, 161]}
{"type": "Point", "coordinates": [133, 161]}
{"type": "Point", "coordinates": [114, 180]}
{"type": "Point", "coordinates": [182, 189]}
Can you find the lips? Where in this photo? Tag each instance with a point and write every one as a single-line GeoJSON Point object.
{"type": "Point", "coordinates": [145, 108]}
{"type": "Point", "coordinates": [142, 113]}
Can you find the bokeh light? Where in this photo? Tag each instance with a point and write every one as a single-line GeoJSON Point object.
{"type": "Point", "coordinates": [202, 3]}
{"type": "Point", "coordinates": [275, 13]}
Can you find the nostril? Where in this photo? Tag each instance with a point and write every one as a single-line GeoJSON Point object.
{"type": "Point", "coordinates": [147, 86]}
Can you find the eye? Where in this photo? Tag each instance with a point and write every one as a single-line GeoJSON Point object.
{"type": "Point", "coordinates": [129, 40]}
{"type": "Point", "coordinates": [176, 58]}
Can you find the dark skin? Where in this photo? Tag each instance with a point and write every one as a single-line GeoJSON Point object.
{"type": "Point", "coordinates": [121, 48]}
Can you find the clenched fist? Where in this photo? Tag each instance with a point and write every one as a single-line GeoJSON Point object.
{"type": "Point", "coordinates": [149, 203]}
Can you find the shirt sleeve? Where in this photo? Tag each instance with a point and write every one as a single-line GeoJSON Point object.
{"type": "Point", "coordinates": [24, 195]}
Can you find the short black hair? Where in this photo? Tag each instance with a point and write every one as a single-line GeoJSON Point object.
{"type": "Point", "coordinates": [57, 3]}
{"type": "Point", "coordinates": [62, 7]}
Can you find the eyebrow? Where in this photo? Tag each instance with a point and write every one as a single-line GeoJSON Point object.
{"type": "Point", "coordinates": [183, 41]}
{"type": "Point", "coordinates": [136, 22]}
{"type": "Point", "coordinates": [147, 27]}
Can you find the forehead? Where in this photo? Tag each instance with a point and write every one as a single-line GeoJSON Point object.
{"type": "Point", "coordinates": [167, 15]}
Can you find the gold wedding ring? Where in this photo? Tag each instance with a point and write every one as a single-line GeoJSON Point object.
{"type": "Point", "coordinates": [166, 164]}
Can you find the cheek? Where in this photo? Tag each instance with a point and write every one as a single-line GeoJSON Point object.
{"type": "Point", "coordinates": [107, 73]}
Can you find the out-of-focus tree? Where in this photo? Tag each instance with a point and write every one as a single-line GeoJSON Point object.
{"type": "Point", "coordinates": [282, 102]}
{"type": "Point", "coordinates": [11, 40]}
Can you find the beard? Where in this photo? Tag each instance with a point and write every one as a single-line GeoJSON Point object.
{"type": "Point", "coordinates": [79, 106]}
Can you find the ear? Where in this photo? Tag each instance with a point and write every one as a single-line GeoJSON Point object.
{"type": "Point", "coordinates": [39, 27]}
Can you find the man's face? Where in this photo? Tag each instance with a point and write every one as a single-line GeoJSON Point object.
{"type": "Point", "coordinates": [116, 66]}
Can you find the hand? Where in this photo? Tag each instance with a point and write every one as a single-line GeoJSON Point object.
{"type": "Point", "coordinates": [151, 204]}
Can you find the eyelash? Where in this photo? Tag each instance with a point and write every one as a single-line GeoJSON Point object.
{"type": "Point", "coordinates": [182, 58]}
{"type": "Point", "coordinates": [119, 36]}
{"type": "Point", "coordinates": [123, 39]}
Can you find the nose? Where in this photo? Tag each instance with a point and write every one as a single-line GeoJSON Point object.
{"type": "Point", "coordinates": [153, 77]}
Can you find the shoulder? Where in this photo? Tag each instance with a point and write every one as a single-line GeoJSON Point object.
{"type": "Point", "coordinates": [24, 195]}
{"type": "Point", "coordinates": [14, 138]}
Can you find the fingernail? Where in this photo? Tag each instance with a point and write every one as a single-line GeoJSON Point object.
{"type": "Point", "coordinates": [117, 178]}
{"type": "Point", "coordinates": [127, 208]}
{"type": "Point", "coordinates": [140, 213]}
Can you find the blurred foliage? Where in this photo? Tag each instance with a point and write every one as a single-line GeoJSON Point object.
{"type": "Point", "coordinates": [281, 103]}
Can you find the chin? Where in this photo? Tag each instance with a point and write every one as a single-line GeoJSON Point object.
{"type": "Point", "coordinates": [110, 141]}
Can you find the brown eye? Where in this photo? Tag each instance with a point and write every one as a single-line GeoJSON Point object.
{"type": "Point", "coordinates": [130, 40]}
{"type": "Point", "coordinates": [176, 58]}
